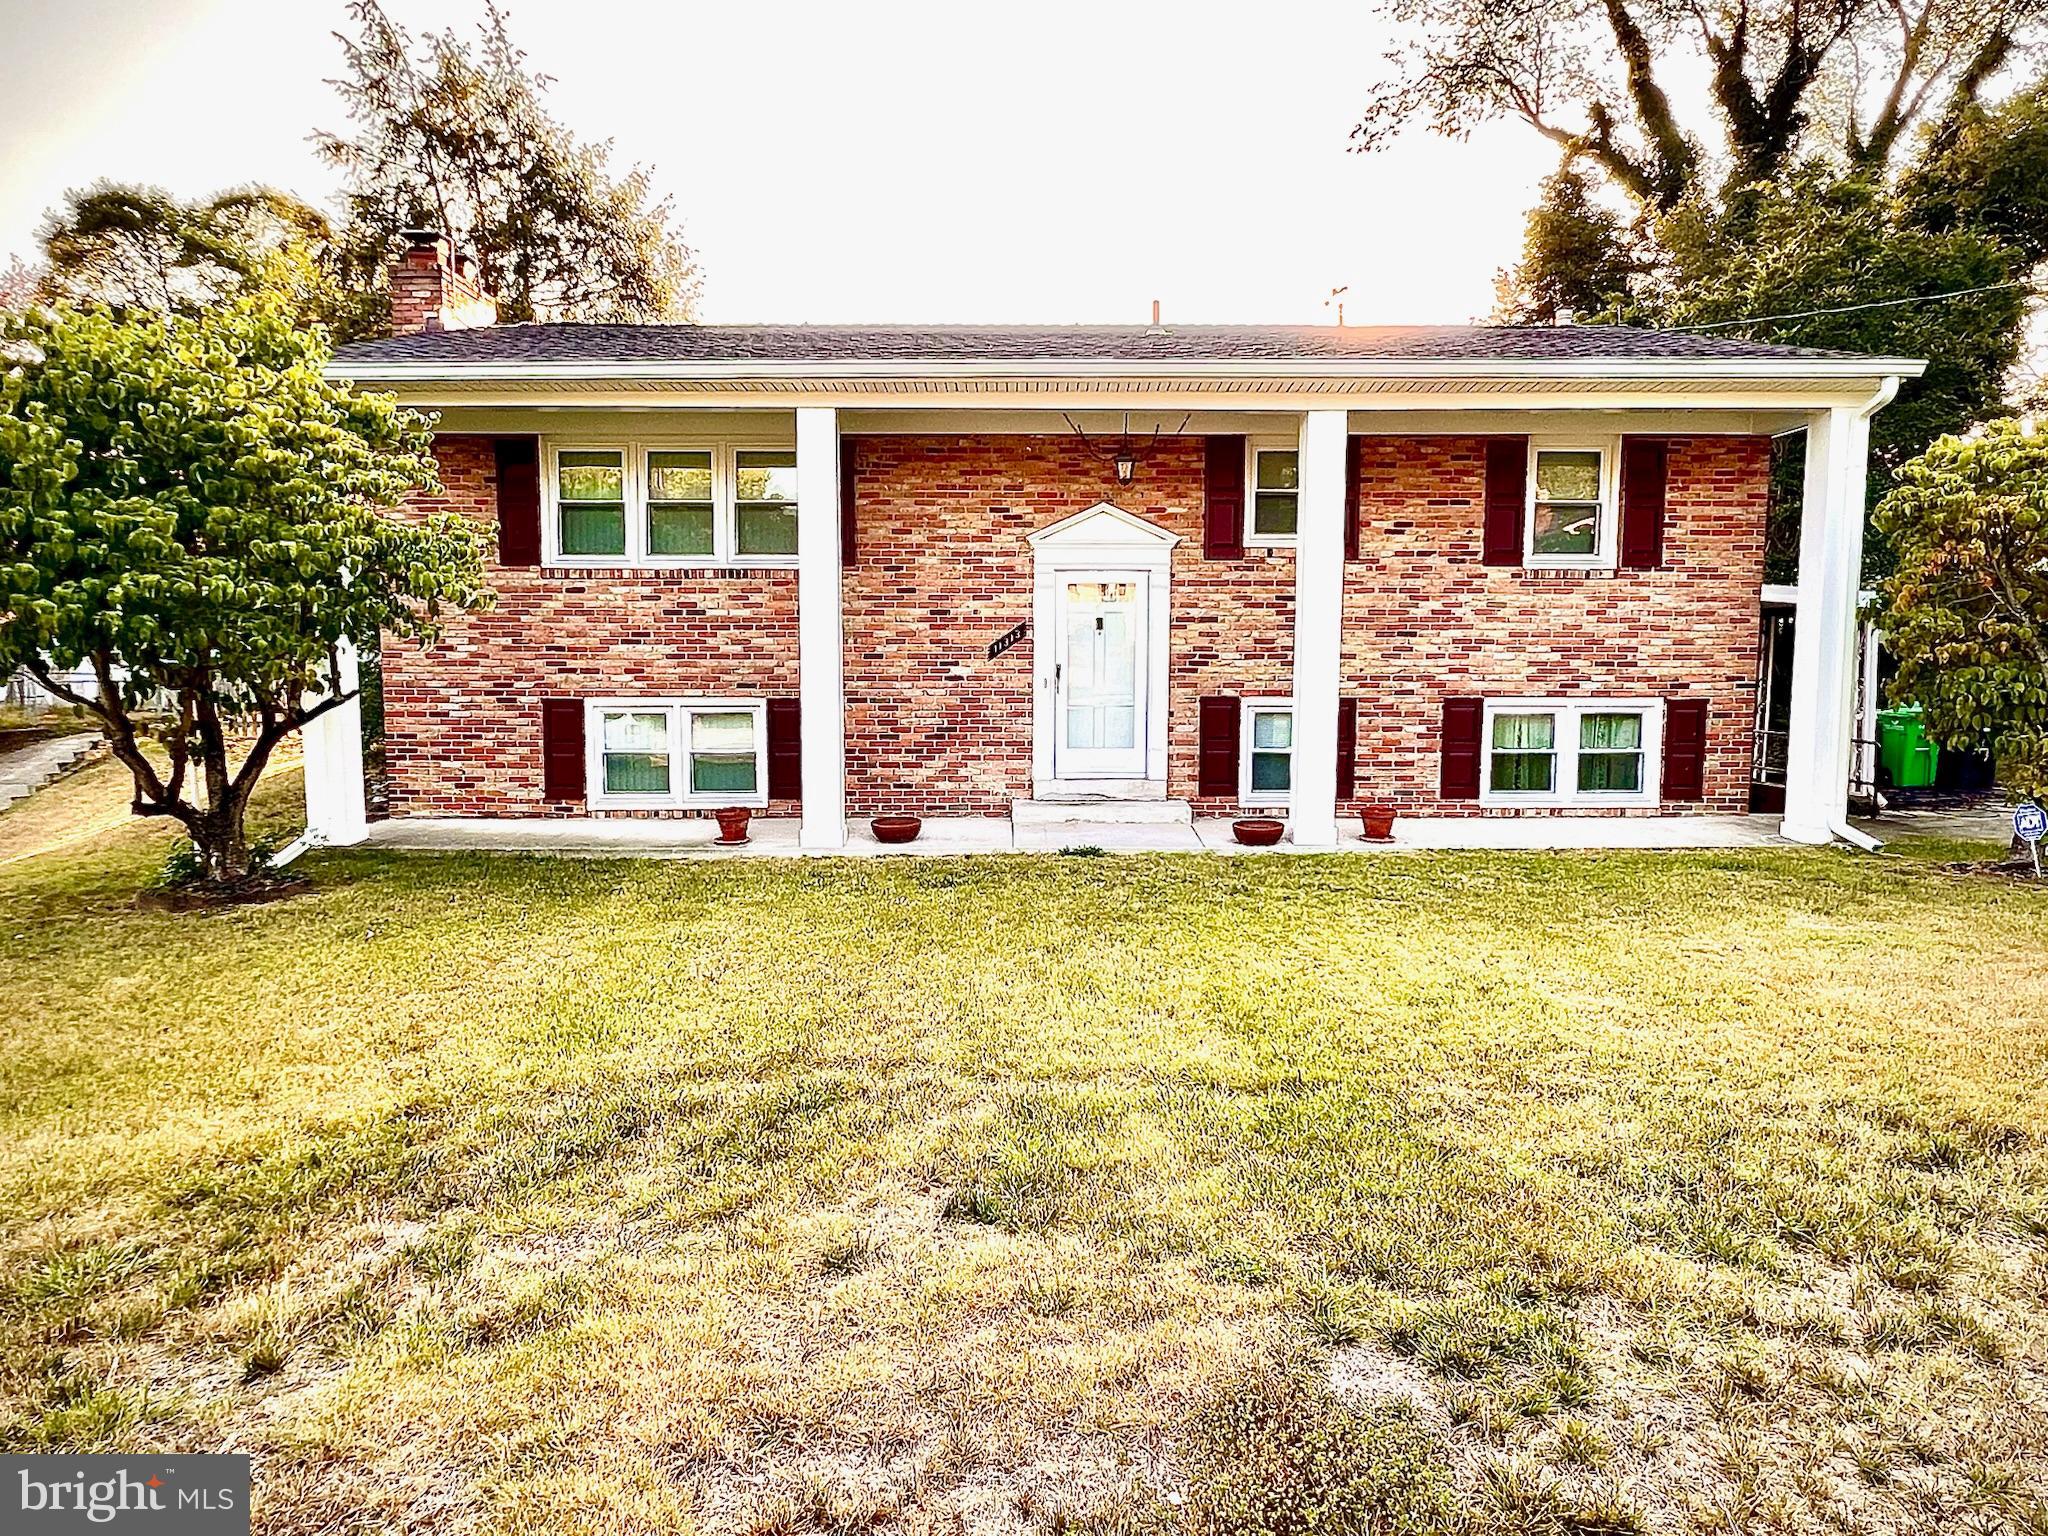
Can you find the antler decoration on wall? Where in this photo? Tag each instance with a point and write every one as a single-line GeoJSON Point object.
{"type": "Point", "coordinates": [1123, 451]}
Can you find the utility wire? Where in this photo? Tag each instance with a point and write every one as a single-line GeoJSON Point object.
{"type": "Point", "coordinates": [1850, 309]}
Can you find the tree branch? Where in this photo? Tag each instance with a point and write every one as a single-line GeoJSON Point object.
{"type": "Point", "coordinates": [1676, 157]}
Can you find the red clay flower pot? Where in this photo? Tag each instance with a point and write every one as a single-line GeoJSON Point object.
{"type": "Point", "coordinates": [896, 829]}
{"type": "Point", "coordinates": [1379, 823]}
{"type": "Point", "coordinates": [1258, 831]}
{"type": "Point", "coordinates": [732, 823]}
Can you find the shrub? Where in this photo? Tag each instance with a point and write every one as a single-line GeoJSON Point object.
{"type": "Point", "coordinates": [1278, 1454]}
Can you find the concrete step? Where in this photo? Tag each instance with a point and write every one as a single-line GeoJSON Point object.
{"type": "Point", "coordinates": [27, 769]}
{"type": "Point", "coordinates": [1100, 812]}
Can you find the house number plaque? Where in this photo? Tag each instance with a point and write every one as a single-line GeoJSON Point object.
{"type": "Point", "coordinates": [1006, 639]}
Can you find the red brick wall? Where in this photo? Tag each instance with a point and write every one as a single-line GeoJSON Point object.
{"type": "Point", "coordinates": [934, 726]}
{"type": "Point", "coordinates": [1424, 620]}
{"type": "Point", "coordinates": [462, 720]}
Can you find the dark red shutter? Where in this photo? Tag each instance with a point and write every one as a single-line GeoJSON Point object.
{"type": "Point", "coordinates": [848, 556]}
{"type": "Point", "coordinates": [1223, 498]}
{"type": "Point", "coordinates": [1644, 461]}
{"type": "Point", "coordinates": [1462, 721]}
{"type": "Point", "coordinates": [1354, 485]}
{"type": "Point", "coordinates": [1347, 748]}
{"type": "Point", "coordinates": [1507, 491]}
{"type": "Point", "coordinates": [785, 749]}
{"type": "Point", "coordinates": [519, 504]}
{"type": "Point", "coordinates": [1216, 748]}
{"type": "Point", "coordinates": [1685, 749]}
{"type": "Point", "coordinates": [561, 749]}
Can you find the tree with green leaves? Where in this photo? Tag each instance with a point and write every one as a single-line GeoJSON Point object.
{"type": "Point", "coordinates": [1786, 79]}
{"type": "Point", "coordinates": [132, 247]}
{"type": "Point", "coordinates": [1965, 611]}
{"type": "Point", "coordinates": [450, 136]}
{"type": "Point", "coordinates": [189, 511]}
{"type": "Point", "coordinates": [1848, 154]}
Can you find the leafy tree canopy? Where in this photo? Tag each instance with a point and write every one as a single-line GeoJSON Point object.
{"type": "Point", "coordinates": [450, 136]}
{"type": "Point", "coordinates": [1850, 78]}
{"type": "Point", "coordinates": [189, 509]}
{"type": "Point", "coordinates": [1966, 609]}
{"type": "Point", "coordinates": [133, 247]}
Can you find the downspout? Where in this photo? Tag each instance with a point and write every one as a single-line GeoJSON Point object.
{"type": "Point", "coordinates": [1838, 821]}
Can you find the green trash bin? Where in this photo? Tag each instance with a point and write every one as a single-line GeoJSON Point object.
{"type": "Point", "coordinates": [1908, 758]}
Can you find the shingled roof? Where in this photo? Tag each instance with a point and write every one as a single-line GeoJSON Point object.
{"type": "Point", "coordinates": [575, 343]}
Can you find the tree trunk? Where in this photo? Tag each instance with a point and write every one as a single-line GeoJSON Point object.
{"type": "Point", "coordinates": [222, 841]}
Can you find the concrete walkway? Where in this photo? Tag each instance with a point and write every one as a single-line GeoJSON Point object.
{"type": "Point", "coordinates": [27, 769]}
{"type": "Point", "coordinates": [670, 839]}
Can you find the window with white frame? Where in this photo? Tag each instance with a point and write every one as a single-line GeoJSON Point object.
{"type": "Point", "coordinates": [668, 753]}
{"type": "Point", "coordinates": [1273, 515]}
{"type": "Point", "coordinates": [1571, 513]}
{"type": "Point", "coordinates": [1571, 752]}
{"type": "Point", "coordinates": [1266, 766]}
{"type": "Point", "coordinates": [682, 511]}
{"type": "Point", "coordinates": [764, 496]}
{"type": "Point", "coordinates": [590, 501]}
{"type": "Point", "coordinates": [684, 503]}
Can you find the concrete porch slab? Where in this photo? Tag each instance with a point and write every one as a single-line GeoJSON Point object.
{"type": "Point", "coordinates": [951, 835]}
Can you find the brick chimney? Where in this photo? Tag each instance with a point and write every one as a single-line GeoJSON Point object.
{"type": "Point", "coordinates": [435, 289]}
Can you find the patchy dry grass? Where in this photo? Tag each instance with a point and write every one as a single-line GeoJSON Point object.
{"type": "Point", "coordinates": [1491, 1192]}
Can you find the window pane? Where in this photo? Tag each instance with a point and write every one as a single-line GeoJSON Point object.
{"type": "Point", "coordinates": [767, 528]}
{"type": "Point", "coordinates": [1272, 770]}
{"type": "Point", "coordinates": [591, 475]}
{"type": "Point", "coordinates": [594, 528]}
{"type": "Point", "coordinates": [1272, 728]}
{"type": "Point", "coordinates": [1522, 772]}
{"type": "Point", "coordinates": [722, 752]}
{"type": "Point", "coordinates": [676, 476]}
{"type": "Point", "coordinates": [766, 474]}
{"type": "Point", "coordinates": [679, 527]}
{"type": "Point", "coordinates": [637, 731]}
{"type": "Point", "coordinates": [1598, 733]}
{"type": "Point", "coordinates": [1274, 512]}
{"type": "Point", "coordinates": [635, 773]}
{"type": "Point", "coordinates": [1572, 476]}
{"type": "Point", "coordinates": [1612, 772]}
{"type": "Point", "coordinates": [1524, 732]}
{"type": "Point", "coordinates": [718, 773]}
{"type": "Point", "coordinates": [1279, 470]}
{"type": "Point", "coordinates": [722, 731]}
{"type": "Point", "coordinates": [636, 753]}
{"type": "Point", "coordinates": [1567, 528]}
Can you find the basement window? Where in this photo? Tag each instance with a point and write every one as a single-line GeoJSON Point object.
{"type": "Point", "coordinates": [1571, 753]}
{"type": "Point", "coordinates": [662, 754]}
{"type": "Point", "coordinates": [1266, 770]}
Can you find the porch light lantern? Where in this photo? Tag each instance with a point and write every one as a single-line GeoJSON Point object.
{"type": "Point", "coordinates": [1124, 452]}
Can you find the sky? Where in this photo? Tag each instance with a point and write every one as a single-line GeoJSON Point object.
{"type": "Point", "coordinates": [871, 162]}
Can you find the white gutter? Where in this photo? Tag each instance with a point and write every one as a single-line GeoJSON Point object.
{"type": "Point", "coordinates": [684, 370]}
{"type": "Point", "coordinates": [1838, 821]}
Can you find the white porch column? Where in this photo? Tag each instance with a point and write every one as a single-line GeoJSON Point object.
{"type": "Point", "coordinates": [821, 660]}
{"type": "Point", "coordinates": [1318, 628]}
{"type": "Point", "coordinates": [333, 746]}
{"type": "Point", "coordinates": [1824, 631]}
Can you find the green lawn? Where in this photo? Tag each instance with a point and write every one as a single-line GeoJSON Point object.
{"type": "Point", "coordinates": [1673, 1192]}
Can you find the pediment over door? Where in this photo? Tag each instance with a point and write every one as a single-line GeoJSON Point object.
{"type": "Point", "coordinates": [1105, 524]}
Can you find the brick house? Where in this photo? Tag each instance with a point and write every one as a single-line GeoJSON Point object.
{"type": "Point", "coordinates": [830, 572]}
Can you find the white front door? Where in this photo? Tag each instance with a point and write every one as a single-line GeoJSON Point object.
{"type": "Point", "coordinates": [1101, 676]}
